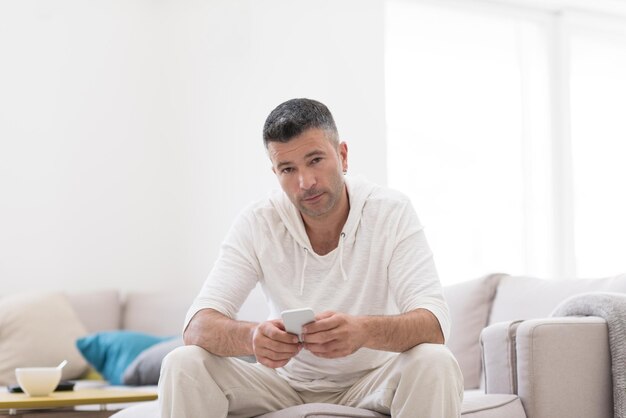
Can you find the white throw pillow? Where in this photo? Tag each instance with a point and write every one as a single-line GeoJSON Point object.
{"type": "Point", "coordinates": [39, 329]}
{"type": "Point", "coordinates": [470, 304]}
{"type": "Point", "coordinates": [521, 298]}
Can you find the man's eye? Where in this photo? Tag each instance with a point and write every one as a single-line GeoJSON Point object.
{"type": "Point", "coordinates": [316, 160]}
{"type": "Point", "coordinates": [286, 170]}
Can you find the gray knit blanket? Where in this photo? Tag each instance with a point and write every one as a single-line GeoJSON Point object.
{"type": "Point", "coordinates": [611, 307]}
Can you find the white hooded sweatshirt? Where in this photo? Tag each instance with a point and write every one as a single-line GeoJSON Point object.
{"type": "Point", "coordinates": [382, 266]}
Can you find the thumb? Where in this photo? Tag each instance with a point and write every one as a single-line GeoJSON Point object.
{"type": "Point", "coordinates": [278, 323]}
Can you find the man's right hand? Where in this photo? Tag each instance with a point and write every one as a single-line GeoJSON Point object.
{"type": "Point", "coordinates": [273, 347]}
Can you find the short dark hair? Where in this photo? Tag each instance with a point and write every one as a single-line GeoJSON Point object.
{"type": "Point", "coordinates": [291, 118]}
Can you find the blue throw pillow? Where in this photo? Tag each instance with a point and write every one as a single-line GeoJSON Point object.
{"type": "Point", "coordinates": [111, 352]}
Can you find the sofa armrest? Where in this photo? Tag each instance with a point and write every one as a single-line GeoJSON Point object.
{"type": "Point", "coordinates": [497, 344]}
{"type": "Point", "coordinates": [564, 367]}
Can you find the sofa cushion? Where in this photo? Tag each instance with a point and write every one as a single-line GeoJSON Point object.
{"type": "Point", "coordinates": [140, 309]}
{"type": "Point", "coordinates": [111, 352]}
{"type": "Point", "coordinates": [146, 368]}
{"type": "Point", "coordinates": [479, 405]}
{"type": "Point", "coordinates": [98, 310]}
{"type": "Point", "coordinates": [312, 410]}
{"type": "Point", "coordinates": [323, 410]}
{"type": "Point", "coordinates": [528, 298]}
{"type": "Point", "coordinates": [475, 405]}
{"type": "Point", "coordinates": [39, 329]}
{"type": "Point", "coordinates": [470, 304]}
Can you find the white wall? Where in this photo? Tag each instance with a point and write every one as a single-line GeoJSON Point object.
{"type": "Point", "coordinates": [130, 131]}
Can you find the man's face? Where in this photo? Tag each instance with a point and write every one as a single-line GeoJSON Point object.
{"type": "Point", "coordinates": [310, 171]}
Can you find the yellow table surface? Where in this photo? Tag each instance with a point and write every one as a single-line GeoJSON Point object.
{"type": "Point", "coordinates": [73, 398]}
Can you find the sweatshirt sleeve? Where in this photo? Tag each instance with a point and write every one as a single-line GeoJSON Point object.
{"type": "Point", "coordinates": [413, 278]}
{"type": "Point", "coordinates": [234, 274]}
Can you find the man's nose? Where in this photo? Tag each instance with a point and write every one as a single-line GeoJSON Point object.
{"type": "Point", "coordinates": [306, 179]}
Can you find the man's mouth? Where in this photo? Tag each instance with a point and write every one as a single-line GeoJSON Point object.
{"type": "Point", "coordinates": [313, 198]}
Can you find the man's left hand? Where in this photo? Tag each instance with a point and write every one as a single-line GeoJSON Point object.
{"type": "Point", "coordinates": [334, 335]}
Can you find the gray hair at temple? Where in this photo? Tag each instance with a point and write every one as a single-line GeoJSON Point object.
{"type": "Point", "coordinates": [293, 117]}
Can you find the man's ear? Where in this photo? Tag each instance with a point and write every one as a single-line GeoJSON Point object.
{"type": "Point", "coordinates": [343, 154]}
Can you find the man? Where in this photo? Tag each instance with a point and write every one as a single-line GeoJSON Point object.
{"type": "Point", "coordinates": [352, 251]}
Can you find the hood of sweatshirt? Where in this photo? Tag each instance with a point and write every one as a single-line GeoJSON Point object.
{"type": "Point", "coordinates": [358, 193]}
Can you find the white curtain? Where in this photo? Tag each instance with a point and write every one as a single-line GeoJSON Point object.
{"type": "Point", "coordinates": [498, 147]}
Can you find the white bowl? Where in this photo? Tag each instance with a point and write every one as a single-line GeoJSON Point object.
{"type": "Point", "coordinates": [38, 381]}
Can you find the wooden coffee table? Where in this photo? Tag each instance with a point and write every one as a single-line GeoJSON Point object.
{"type": "Point", "coordinates": [17, 404]}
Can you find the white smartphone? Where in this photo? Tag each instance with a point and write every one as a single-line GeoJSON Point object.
{"type": "Point", "coordinates": [294, 319]}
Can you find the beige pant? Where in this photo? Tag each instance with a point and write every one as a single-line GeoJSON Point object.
{"type": "Point", "coordinates": [423, 382]}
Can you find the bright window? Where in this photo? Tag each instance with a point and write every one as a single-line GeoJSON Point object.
{"type": "Point", "coordinates": [480, 112]}
{"type": "Point", "coordinates": [598, 103]}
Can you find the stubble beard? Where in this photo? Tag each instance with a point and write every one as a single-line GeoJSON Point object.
{"type": "Point", "coordinates": [332, 195]}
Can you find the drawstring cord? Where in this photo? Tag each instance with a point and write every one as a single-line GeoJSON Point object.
{"type": "Point", "coordinates": [342, 238]}
{"type": "Point", "coordinates": [306, 253]}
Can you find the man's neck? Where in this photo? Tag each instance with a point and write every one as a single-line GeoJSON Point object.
{"type": "Point", "coordinates": [324, 232]}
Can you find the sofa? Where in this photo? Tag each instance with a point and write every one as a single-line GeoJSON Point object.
{"type": "Point", "coordinates": [43, 328]}
{"type": "Point", "coordinates": [517, 360]}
